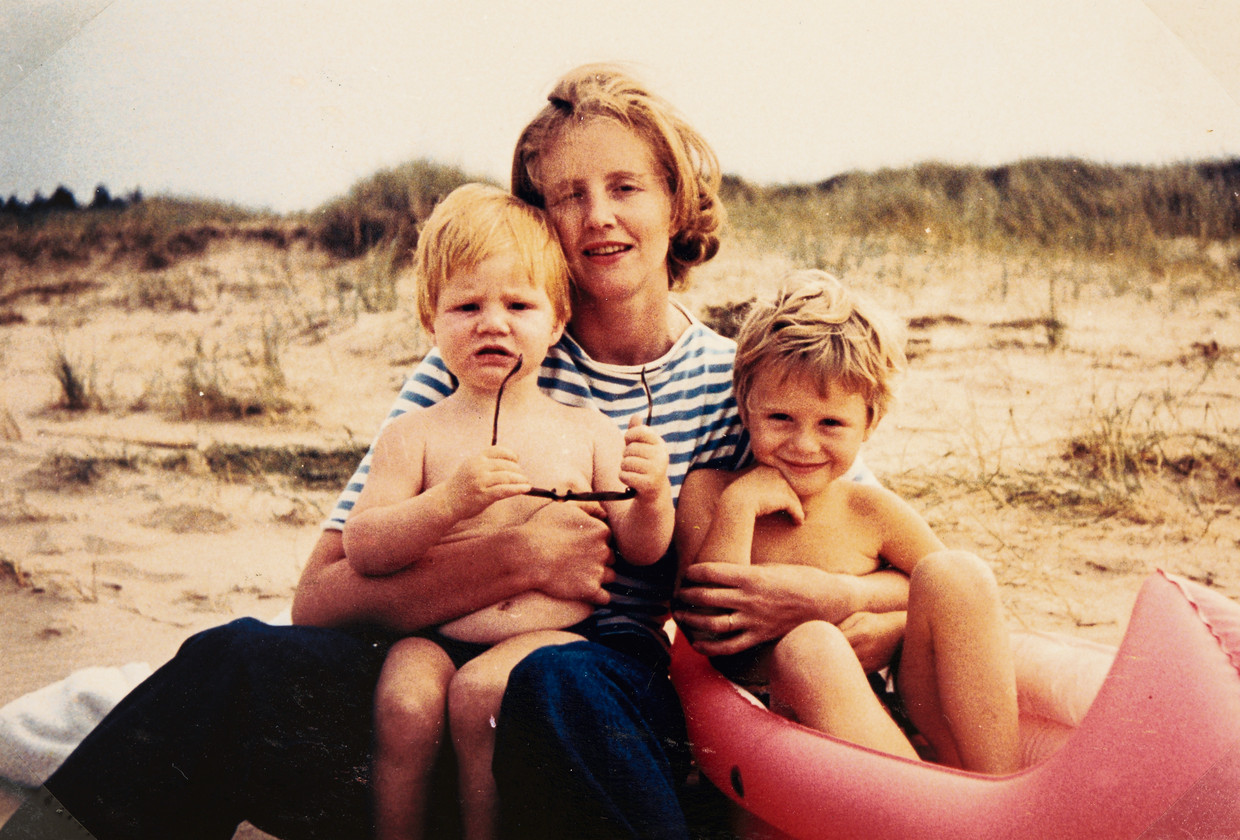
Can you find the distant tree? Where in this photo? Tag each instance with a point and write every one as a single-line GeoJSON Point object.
{"type": "Point", "coordinates": [62, 199]}
{"type": "Point", "coordinates": [102, 199]}
{"type": "Point", "coordinates": [13, 207]}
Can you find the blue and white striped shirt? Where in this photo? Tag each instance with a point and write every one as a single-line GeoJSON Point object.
{"type": "Point", "coordinates": [694, 412]}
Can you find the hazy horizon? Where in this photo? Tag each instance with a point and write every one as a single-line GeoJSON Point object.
{"type": "Point", "coordinates": [290, 104]}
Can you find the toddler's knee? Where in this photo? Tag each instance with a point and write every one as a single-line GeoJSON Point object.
{"type": "Point", "coordinates": [474, 699]}
{"type": "Point", "coordinates": [409, 717]}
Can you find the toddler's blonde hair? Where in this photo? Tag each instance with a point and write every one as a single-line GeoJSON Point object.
{"type": "Point", "coordinates": [476, 222]}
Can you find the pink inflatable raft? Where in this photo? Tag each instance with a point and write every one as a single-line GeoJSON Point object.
{"type": "Point", "coordinates": [1143, 742]}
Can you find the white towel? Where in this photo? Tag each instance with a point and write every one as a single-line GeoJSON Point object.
{"type": "Point", "coordinates": [39, 730]}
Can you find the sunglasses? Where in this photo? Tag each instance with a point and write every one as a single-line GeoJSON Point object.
{"type": "Point", "coordinates": [572, 495]}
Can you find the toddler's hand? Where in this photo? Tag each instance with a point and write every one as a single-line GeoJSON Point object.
{"type": "Point", "coordinates": [645, 460]}
{"type": "Point", "coordinates": [485, 479]}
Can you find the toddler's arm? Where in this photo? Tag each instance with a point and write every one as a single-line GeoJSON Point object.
{"type": "Point", "coordinates": [642, 527]}
{"type": "Point", "coordinates": [398, 519]}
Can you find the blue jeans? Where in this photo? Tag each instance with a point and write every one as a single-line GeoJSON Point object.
{"type": "Point", "coordinates": [591, 744]}
{"type": "Point", "coordinates": [247, 722]}
{"type": "Point", "coordinates": [274, 725]}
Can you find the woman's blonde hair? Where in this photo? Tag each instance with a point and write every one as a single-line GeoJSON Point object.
{"type": "Point", "coordinates": [476, 222]}
{"type": "Point", "coordinates": [692, 170]}
{"type": "Point", "coordinates": [815, 327]}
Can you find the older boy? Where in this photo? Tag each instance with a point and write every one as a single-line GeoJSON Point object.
{"type": "Point", "coordinates": [813, 377]}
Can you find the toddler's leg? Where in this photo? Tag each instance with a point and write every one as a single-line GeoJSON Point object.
{"type": "Point", "coordinates": [957, 675]}
{"type": "Point", "coordinates": [473, 708]}
{"type": "Point", "coordinates": [815, 679]}
{"type": "Point", "coordinates": [410, 705]}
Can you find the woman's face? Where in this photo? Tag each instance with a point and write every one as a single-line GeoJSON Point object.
{"type": "Point", "coordinates": [610, 204]}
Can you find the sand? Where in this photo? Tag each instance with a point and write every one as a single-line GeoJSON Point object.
{"type": "Point", "coordinates": [126, 526]}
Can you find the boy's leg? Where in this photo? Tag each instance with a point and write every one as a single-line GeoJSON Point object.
{"type": "Point", "coordinates": [410, 713]}
{"type": "Point", "coordinates": [957, 675]}
{"type": "Point", "coordinates": [247, 721]}
{"type": "Point", "coordinates": [591, 744]}
{"type": "Point", "coordinates": [816, 680]}
{"type": "Point", "coordinates": [474, 708]}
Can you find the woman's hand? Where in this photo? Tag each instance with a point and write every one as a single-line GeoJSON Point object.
{"type": "Point", "coordinates": [730, 607]}
{"type": "Point", "coordinates": [567, 546]}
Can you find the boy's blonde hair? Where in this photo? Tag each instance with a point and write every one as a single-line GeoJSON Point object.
{"type": "Point", "coordinates": [476, 222]}
{"type": "Point", "coordinates": [817, 328]}
{"type": "Point", "coordinates": [607, 92]}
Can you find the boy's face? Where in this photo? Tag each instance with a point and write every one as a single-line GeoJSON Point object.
{"type": "Point", "coordinates": [810, 438]}
{"type": "Point", "coordinates": [488, 315]}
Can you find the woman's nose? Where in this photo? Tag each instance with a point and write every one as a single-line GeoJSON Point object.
{"type": "Point", "coordinates": [599, 212]}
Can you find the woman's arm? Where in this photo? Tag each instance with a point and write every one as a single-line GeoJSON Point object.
{"type": "Point", "coordinates": [561, 550]}
{"type": "Point", "coordinates": [765, 602]}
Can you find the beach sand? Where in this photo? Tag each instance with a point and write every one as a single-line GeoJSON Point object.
{"type": "Point", "coordinates": [126, 527]}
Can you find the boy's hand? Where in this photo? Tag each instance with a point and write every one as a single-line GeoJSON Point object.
{"type": "Point", "coordinates": [485, 479]}
{"type": "Point", "coordinates": [874, 636]}
{"type": "Point", "coordinates": [644, 464]}
{"type": "Point", "coordinates": [765, 491]}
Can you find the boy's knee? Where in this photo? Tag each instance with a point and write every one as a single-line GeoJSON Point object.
{"type": "Point", "coordinates": [813, 645]}
{"type": "Point", "coordinates": [958, 574]}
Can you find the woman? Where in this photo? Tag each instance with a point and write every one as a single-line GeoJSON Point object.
{"type": "Point", "coordinates": [273, 724]}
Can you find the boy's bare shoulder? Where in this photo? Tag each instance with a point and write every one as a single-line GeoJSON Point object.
{"type": "Point", "coordinates": [872, 499]}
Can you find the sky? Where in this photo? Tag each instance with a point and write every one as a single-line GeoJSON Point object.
{"type": "Point", "coordinates": [285, 105]}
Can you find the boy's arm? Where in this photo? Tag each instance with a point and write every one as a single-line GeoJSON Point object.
{"type": "Point", "coordinates": [704, 530]}
{"type": "Point", "coordinates": [906, 536]}
{"type": "Point", "coordinates": [718, 512]}
{"type": "Point", "coordinates": [561, 550]}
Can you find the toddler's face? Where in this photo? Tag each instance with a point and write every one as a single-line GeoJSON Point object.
{"type": "Point", "coordinates": [812, 438]}
{"type": "Point", "coordinates": [488, 315]}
